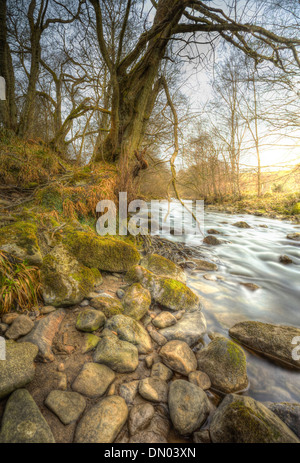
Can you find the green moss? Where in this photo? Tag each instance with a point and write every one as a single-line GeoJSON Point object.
{"type": "Point", "coordinates": [52, 279]}
{"type": "Point", "coordinates": [106, 254]}
{"type": "Point", "coordinates": [85, 278]}
{"type": "Point", "coordinates": [51, 198]}
{"type": "Point", "coordinates": [162, 266]}
{"type": "Point", "coordinates": [90, 342]}
{"type": "Point", "coordinates": [237, 357]}
{"type": "Point", "coordinates": [250, 421]}
{"type": "Point", "coordinates": [97, 276]}
{"type": "Point", "coordinates": [65, 282]}
{"type": "Point", "coordinates": [20, 239]}
{"type": "Point", "coordinates": [176, 295]}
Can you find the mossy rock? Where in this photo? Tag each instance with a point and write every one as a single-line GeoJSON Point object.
{"type": "Point", "coordinates": [131, 331]}
{"type": "Point", "coordinates": [225, 364]}
{"type": "Point", "coordinates": [137, 301]}
{"type": "Point", "coordinates": [272, 341]}
{"type": "Point", "coordinates": [108, 254]}
{"type": "Point", "coordinates": [159, 265]}
{"type": "Point", "coordinates": [20, 240]}
{"type": "Point", "coordinates": [90, 320]}
{"type": "Point", "coordinates": [170, 293]}
{"type": "Point", "coordinates": [107, 304]}
{"type": "Point", "coordinates": [120, 356]}
{"type": "Point", "coordinates": [65, 281]}
{"type": "Point", "coordinates": [241, 419]}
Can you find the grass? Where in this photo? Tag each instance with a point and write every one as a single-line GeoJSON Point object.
{"type": "Point", "coordinates": [282, 203]}
{"type": "Point", "coordinates": [19, 284]}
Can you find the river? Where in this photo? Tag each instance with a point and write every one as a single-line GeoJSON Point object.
{"type": "Point", "coordinates": [250, 256]}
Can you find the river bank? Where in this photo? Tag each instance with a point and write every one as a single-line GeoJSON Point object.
{"type": "Point", "coordinates": [135, 358]}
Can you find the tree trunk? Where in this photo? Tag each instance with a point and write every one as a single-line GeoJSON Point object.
{"type": "Point", "coordinates": [26, 126]}
{"type": "Point", "coordinates": [8, 110]}
{"type": "Point", "coordinates": [134, 91]}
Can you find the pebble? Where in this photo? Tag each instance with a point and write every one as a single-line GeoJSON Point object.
{"type": "Point", "coordinates": [47, 309]}
{"type": "Point", "coordinates": [84, 303]}
{"type": "Point", "coordinates": [68, 406]}
{"type": "Point", "coordinates": [154, 389]}
{"type": "Point", "coordinates": [21, 326]}
{"type": "Point", "coordinates": [159, 370]}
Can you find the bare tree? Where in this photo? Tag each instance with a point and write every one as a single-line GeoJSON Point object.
{"type": "Point", "coordinates": [135, 74]}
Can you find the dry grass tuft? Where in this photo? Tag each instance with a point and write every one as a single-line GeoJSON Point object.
{"type": "Point", "coordinates": [19, 284]}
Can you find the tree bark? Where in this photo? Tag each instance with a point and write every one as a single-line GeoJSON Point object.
{"type": "Point", "coordinates": [134, 91]}
{"type": "Point", "coordinates": [8, 110]}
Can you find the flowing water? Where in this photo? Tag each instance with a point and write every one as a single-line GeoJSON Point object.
{"type": "Point", "coordinates": [250, 256]}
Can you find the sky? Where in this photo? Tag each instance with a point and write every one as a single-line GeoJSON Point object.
{"type": "Point", "coordinates": [282, 152]}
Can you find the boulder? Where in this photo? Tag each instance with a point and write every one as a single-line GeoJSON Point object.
{"type": "Point", "coordinates": [154, 389]}
{"type": "Point", "coordinates": [140, 417]}
{"type": "Point", "coordinates": [131, 331]}
{"type": "Point", "coordinates": [164, 320]}
{"type": "Point", "coordinates": [190, 328]}
{"type": "Point", "coordinates": [137, 301]}
{"type": "Point", "coordinates": [20, 240]}
{"type": "Point", "coordinates": [169, 293]}
{"type": "Point", "coordinates": [241, 419]}
{"type": "Point", "coordinates": [23, 422]}
{"type": "Point", "coordinates": [179, 357]}
{"type": "Point", "coordinates": [289, 413]}
{"type": "Point", "coordinates": [68, 406]}
{"type": "Point", "coordinates": [225, 364]}
{"type": "Point", "coordinates": [21, 326]}
{"type": "Point", "coordinates": [188, 405]}
{"type": "Point", "coordinates": [93, 380]}
{"type": "Point", "coordinates": [103, 422]}
{"type": "Point", "coordinates": [120, 356]}
{"type": "Point", "coordinates": [107, 304]}
{"type": "Point", "coordinates": [90, 320]}
{"type": "Point", "coordinates": [161, 266]}
{"type": "Point", "coordinates": [272, 341]}
{"type": "Point", "coordinates": [18, 369]}
{"type": "Point", "coordinates": [64, 280]}
{"type": "Point", "coordinates": [43, 333]}
{"type": "Point", "coordinates": [104, 253]}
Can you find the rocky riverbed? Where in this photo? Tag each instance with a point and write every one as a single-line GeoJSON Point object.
{"type": "Point", "coordinates": [125, 355]}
